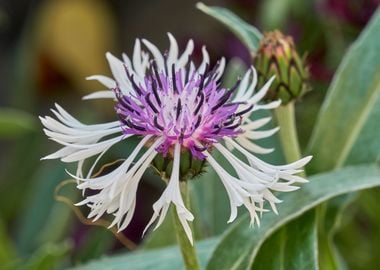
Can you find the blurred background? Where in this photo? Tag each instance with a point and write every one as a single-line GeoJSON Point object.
{"type": "Point", "coordinates": [47, 48]}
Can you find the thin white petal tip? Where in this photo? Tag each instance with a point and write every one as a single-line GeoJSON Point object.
{"type": "Point", "coordinates": [277, 102]}
{"type": "Point", "coordinates": [308, 158]}
{"type": "Point", "coordinates": [200, 5]}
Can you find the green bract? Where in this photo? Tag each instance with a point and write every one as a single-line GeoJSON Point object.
{"type": "Point", "coordinates": [189, 167]}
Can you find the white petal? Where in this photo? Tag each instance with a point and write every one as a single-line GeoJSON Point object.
{"type": "Point", "coordinates": [260, 134]}
{"type": "Point", "coordinates": [262, 92]}
{"type": "Point", "coordinates": [94, 150]}
{"type": "Point", "coordinates": [233, 191]}
{"type": "Point", "coordinates": [89, 174]}
{"type": "Point", "coordinates": [245, 172]}
{"type": "Point", "coordinates": [205, 61]}
{"type": "Point", "coordinates": [60, 153]}
{"type": "Point", "coordinates": [106, 81]}
{"type": "Point", "coordinates": [268, 106]}
{"type": "Point", "coordinates": [255, 181]}
{"type": "Point", "coordinates": [82, 137]}
{"type": "Point", "coordinates": [184, 58]}
{"type": "Point", "coordinates": [118, 71]}
{"type": "Point", "coordinates": [100, 95]}
{"type": "Point", "coordinates": [89, 145]}
{"type": "Point", "coordinates": [283, 187]}
{"type": "Point", "coordinates": [128, 194]}
{"type": "Point", "coordinates": [173, 51]}
{"type": "Point", "coordinates": [122, 202]}
{"type": "Point", "coordinates": [95, 183]}
{"type": "Point", "coordinates": [268, 167]}
{"type": "Point", "coordinates": [172, 194]}
{"type": "Point", "coordinates": [137, 63]}
{"type": "Point", "coordinates": [69, 120]}
{"type": "Point", "coordinates": [156, 54]}
{"type": "Point", "coordinates": [251, 88]}
{"type": "Point", "coordinates": [251, 125]}
{"type": "Point", "coordinates": [66, 116]}
{"type": "Point", "coordinates": [220, 70]}
{"type": "Point", "coordinates": [252, 146]}
{"type": "Point", "coordinates": [126, 60]}
{"type": "Point", "coordinates": [242, 87]}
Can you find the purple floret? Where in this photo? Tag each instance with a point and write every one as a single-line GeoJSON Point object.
{"type": "Point", "coordinates": [189, 108]}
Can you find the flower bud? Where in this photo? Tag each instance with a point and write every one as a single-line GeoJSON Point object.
{"type": "Point", "coordinates": [278, 57]}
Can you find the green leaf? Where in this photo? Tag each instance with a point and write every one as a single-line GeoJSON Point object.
{"type": "Point", "coordinates": [367, 146]}
{"type": "Point", "coordinates": [14, 122]}
{"type": "Point", "coordinates": [162, 236]}
{"type": "Point", "coordinates": [166, 258]}
{"type": "Point", "coordinates": [358, 239]}
{"type": "Point", "coordinates": [365, 150]}
{"type": "Point", "coordinates": [97, 241]}
{"type": "Point", "coordinates": [49, 256]}
{"type": "Point", "coordinates": [14, 179]}
{"type": "Point", "coordinates": [7, 250]}
{"type": "Point", "coordinates": [247, 33]}
{"type": "Point", "coordinates": [235, 68]}
{"type": "Point", "coordinates": [240, 244]}
{"type": "Point", "coordinates": [292, 247]}
{"type": "Point", "coordinates": [273, 14]}
{"type": "Point", "coordinates": [349, 101]}
{"type": "Point", "coordinates": [347, 130]}
{"type": "Point", "coordinates": [330, 215]}
{"type": "Point", "coordinates": [39, 210]}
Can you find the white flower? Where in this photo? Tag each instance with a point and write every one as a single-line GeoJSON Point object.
{"type": "Point", "coordinates": [173, 106]}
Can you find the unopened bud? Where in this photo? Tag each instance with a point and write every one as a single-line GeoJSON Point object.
{"type": "Point", "coordinates": [278, 57]}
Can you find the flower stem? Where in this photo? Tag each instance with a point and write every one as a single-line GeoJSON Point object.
{"type": "Point", "coordinates": [188, 250]}
{"type": "Point", "coordinates": [288, 133]}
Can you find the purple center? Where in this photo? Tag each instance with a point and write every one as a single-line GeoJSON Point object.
{"type": "Point", "coordinates": [187, 108]}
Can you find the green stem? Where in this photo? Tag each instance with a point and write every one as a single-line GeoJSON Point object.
{"type": "Point", "coordinates": [288, 133]}
{"type": "Point", "coordinates": [188, 251]}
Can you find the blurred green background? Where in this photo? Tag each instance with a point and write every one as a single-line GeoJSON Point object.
{"type": "Point", "coordinates": [47, 48]}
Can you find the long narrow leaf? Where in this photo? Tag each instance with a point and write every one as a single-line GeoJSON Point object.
{"type": "Point", "coordinates": [247, 33]}
{"type": "Point", "coordinates": [349, 101]}
{"type": "Point", "coordinates": [240, 245]}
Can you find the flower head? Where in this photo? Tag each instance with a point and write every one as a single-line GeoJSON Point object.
{"type": "Point", "coordinates": [173, 107]}
{"type": "Point", "coordinates": [186, 107]}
